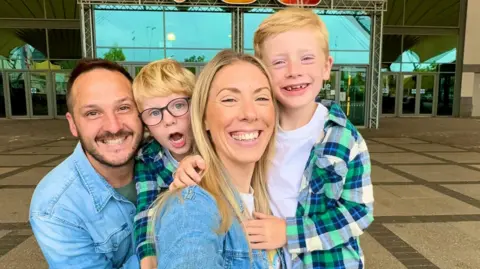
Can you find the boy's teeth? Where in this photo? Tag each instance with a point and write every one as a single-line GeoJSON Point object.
{"type": "Point", "coordinates": [301, 86]}
{"type": "Point", "coordinates": [114, 141]}
{"type": "Point", "coordinates": [245, 136]}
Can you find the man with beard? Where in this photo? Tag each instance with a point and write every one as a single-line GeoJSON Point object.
{"type": "Point", "coordinates": [82, 212]}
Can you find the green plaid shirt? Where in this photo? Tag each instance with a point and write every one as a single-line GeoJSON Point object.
{"type": "Point", "coordinates": [335, 203]}
{"type": "Point", "coordinates": [153, 174]}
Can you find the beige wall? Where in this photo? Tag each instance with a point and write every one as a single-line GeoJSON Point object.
{"type": "Point", "coordinates": [472, 33]}
{"type": "Point", "coordinates": [471, 81]}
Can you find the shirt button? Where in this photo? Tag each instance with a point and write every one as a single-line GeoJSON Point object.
{"type": "Point", "coordinates": [115, 245]}
{"type": "Point", "coordinates": [132, 212]}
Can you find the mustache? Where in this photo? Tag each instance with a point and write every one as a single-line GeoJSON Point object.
{"type": "Point", "coordinates": [108, 135]}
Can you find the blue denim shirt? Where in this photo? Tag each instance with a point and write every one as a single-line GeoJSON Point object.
{"type": "Point", "coordinates": [186, 236]}
{"type": "Point", "coordinates": [80, 221]}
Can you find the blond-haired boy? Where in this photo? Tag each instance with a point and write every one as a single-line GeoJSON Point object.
{"type": "Point", "coordinates": [320, 180]}
{"type": "Point", "coordinates": [319, 183]}
{"type": "Point", "coordinates": [162, 91]}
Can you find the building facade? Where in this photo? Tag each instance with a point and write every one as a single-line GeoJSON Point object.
{"type": "Point", "coordinates": [391, 58]}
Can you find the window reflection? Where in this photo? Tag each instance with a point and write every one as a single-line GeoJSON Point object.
{"type": "Point", "coordinates": [349, 36]}
{"type": "Point", "coordinates": [148, 39]}
{"type": "Point", "coordinates": [200, 31]}
{"type": "Point", "coordinates": [135, 29]}
{"type": "Point", "coordinates": [191, 56]}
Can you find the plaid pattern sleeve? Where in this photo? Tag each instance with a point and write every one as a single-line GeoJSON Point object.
{"type": "Point", "coordinates": [153, 174]}
{"type": "Point", "coordinates": [335, 201]}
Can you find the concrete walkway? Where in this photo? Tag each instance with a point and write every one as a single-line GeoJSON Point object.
{"type": "Point", "coordinates": [426, 175]}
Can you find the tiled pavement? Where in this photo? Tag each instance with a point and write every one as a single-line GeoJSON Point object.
{"type": "Point", "coordinates": [427, 202]}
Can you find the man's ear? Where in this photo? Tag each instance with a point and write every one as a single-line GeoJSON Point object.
{"type": "Point", "coordinates": [71, 124]}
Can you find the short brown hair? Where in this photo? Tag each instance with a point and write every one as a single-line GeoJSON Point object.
{"type": "Point", "coordinates": [87, 65]}
{"type": "Point", "coordinates": [160, 79]}
{"type": "Point", "coordinates": [288, 19]}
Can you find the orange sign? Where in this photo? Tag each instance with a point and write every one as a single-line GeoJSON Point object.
{"type": "Point", "coordinates": [300, 3]}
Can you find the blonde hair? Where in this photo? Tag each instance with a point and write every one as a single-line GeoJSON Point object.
{"type": "Point", "coordinates": [289, 19]}
{"type": "Point", "coordinates": [215, 179]}
{"type": "Point", "coordinates": [160, 79]}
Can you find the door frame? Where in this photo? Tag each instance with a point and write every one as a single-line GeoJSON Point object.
{"type": "Point", "coordinates": [28, 94]}
{"type": "Point", "coordinates": [396, 110]}
{"type": "Point", "coordinates": [54, 91]}
{"type": "Point", "coordinates": [5, 94]}
{"type": "Point", "coordinates": [417, 94]}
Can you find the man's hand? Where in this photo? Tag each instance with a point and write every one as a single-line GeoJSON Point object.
{"type": "Point", "coordinates": [266, 232]}
{"type": "Point", "coordinates": [187, 173]}
{"type": "Point", "coordinates": [149, 262]}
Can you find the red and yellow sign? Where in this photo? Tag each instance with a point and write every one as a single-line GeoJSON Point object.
{"type": "Point", "coordinates": [284, 2]}
{"type": "Point", "coordinates": [300, 2]}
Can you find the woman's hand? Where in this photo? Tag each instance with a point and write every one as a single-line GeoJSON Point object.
{"type": "Point", "coordinates": [187, 173]}
{"type": "Point", "coordinates": [266, 232]}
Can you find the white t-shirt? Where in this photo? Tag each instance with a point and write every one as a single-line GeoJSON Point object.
{"type": "Point", "coordinates": [249, 202]}
{"type": "Point", "coordinates": [171, 159]}
{"type": "Point", "coordinates": [292, 152]}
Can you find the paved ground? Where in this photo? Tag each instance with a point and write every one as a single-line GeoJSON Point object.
{"type": "Point", "coordinates": [426, 175]}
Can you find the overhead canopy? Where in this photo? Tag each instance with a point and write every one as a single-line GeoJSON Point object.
{"type": "Point", "coordinates": [65, 44]}
{"type": "Point", "coordinates": [433, 13]}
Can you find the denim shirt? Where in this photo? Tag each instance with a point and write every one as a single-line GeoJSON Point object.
{"type": "Point", "coordinates": [186, 236]}
{"type": "Point", "coordinates": [80, 221]}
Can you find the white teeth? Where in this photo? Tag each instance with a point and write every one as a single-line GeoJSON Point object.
{"type": "Point", "coordinates": [114, 141]}
{"type": "Point", "coordinates": [246, 136]}
{"type": "Point", "coordinates": [301, 86]}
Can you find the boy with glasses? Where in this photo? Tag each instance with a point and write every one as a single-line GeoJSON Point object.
{"type": "Point", "coordinates": [162, 91]}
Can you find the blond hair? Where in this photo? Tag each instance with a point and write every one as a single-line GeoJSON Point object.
{"type": "Point", "coordinates": [289, 19]}
{"type": "Point", "coordinates": [160, 79]}
{"type": "Point", "coordinates": [215, 179]}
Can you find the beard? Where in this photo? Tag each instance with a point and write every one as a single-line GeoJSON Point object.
{"type": "Point", "coordinates": [90, 148]}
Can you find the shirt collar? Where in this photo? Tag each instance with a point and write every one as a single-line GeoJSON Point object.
{"type": "Point", "coordinates": [98, 188]}
{"type": "Point", "coordinates": [335, 114]}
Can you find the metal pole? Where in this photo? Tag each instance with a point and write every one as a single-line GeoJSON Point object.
{"type": "Point", "coordinates": [82, 31]}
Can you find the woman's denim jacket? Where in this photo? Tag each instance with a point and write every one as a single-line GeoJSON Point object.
{"type": "Point", "coordinates": [186, 236]}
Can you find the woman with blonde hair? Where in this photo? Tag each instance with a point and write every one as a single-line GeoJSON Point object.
{"type": "Point", "coordinates": [233, 114]}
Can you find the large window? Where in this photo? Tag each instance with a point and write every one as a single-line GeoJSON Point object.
{"type": "Point", "coordinates": [419, 53]}
{"type": "Point", "coordinates": [431, 59]}
{"type": "Point", "coordinates": [157, 33]}
{"type": "Point", "coordinates": [422, 13]}
{"type": "Point", "coordinates": [349, 36]}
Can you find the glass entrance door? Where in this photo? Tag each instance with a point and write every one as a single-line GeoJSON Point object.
{"type": "Point", "coordinates": [60, 79]}
{"type": "Point", "coordinates": [389, 94]}
{"type": "Point", "coordinates": [418, 94]}
{"type": "Point", "coordinates": [347, 87]}
{"type": "Point", "coordinates": [38, 94]}
{"type": "Point", "coordinates": [330, 88]}
{"type": "Point", "coordinates": [352, 92]}
{"type": "Point", "coordinates": [16, 82]}
{"type": "Point", "coordinates": [426, 94]}
{"type": "Point", "coordinates": [409, 94]}
{"type": "Point", "coordinates": [29, 94]}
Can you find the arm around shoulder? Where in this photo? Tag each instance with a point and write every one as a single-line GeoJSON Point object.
{"type": "Point", "coordinates": [65, 245]}
{"type": "Point", "coordinates": [186, 232]}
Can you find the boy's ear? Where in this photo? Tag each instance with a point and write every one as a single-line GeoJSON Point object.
{"type": "Point", "coordinates": [328, 68]}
